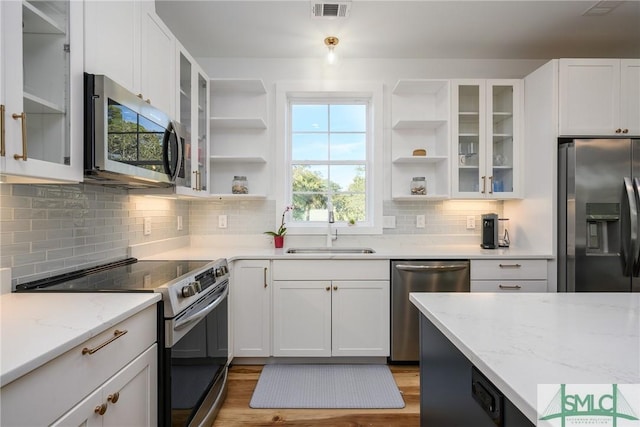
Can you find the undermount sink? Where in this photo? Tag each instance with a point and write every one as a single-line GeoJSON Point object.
{"type": "Point", "coordinates": [330, 251]}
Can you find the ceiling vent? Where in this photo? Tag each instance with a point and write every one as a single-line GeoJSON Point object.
{"type": "Point", "coordinates": [340, 9]}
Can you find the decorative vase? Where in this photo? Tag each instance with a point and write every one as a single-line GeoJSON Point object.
{"type": "Point", "coordinates": [278, 241]}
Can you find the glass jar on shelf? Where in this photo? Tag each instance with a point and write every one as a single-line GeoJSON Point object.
{"type": "Point", "coordinates": [418, 186]}
{"type": "Point", "coordinates": [239, 185]}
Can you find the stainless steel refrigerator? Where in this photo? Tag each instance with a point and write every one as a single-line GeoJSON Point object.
{"type": "Point", "coordinates": [598, 224]}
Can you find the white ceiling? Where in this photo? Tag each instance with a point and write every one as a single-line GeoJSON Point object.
{"type": "Point", "coordinates": [405, 29]}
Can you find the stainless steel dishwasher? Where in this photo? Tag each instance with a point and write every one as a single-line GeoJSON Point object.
{"type": "Point", "coordinates": [419, 276]}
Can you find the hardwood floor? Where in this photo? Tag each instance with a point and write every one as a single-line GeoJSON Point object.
{"type": "Point", "coordinates": [242, 380]}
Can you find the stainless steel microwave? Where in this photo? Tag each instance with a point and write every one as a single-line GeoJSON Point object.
{"type": "Point", "coordinates": [128, 142]}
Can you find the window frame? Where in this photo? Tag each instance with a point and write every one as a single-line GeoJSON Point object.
{"type": "Point", "coordinates": [326, 93]}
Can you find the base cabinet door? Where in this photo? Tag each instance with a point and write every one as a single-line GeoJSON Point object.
{"type": "Point", "coordinates": [129, 398]}
{"type": "Point", "coordinates": [302, 318]}
{"type": "Point", "coordinates": [251, 295]}
{"type": "Point", "coordinates": [360, 318]}
{"type": "Point", "coordinates": [325, 318]}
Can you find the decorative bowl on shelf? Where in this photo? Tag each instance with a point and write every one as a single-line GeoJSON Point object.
{"type": "Point", "coordinates": [419, 152]}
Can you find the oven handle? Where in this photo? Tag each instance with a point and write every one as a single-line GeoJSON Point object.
{"type": "Point", "coordinates": [183, 323]}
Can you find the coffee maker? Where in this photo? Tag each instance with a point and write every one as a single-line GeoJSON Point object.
{"type": "Point", "coordinates": [490, 231]}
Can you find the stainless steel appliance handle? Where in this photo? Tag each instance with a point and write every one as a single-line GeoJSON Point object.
{"type": "Point", "coordinates": [183, 323]}
{"type": "Point", "coordinates": [635, 242]}
{"type": "Point", "coordinates": [629, 252]}
{"type": "Point", "coordinates": [431, 268]}
{"type": "Point", "coordinates": [165, 155]}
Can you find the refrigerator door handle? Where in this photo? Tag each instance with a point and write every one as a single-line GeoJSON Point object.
{"type": "Point", "coordinates": [629, 245]}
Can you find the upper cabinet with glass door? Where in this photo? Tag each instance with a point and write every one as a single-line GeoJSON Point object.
{"type": "Point", "coordinates": [42, 91]}
{"type": "Point", "coordinates": [193, 106]}
{"type": "Point", "coordinates": [486, 125]}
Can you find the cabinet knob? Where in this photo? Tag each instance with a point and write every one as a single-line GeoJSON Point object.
{"type": "Point", "coordinates": [618, 130]}
{"type": "Point", "coordinates": [101, 409]}
{"type": "Point", "coordinates": [140, 96]}
{"type": "Point", "coordinates": [625, 130]}
{"type": "Point", "coordinates": [148, 101]}
{"type": "Point", "coordinates": [113, 398]}
{"type": "Point", "coordinates": [328, 288]}
{"type": "Point", "coordinates": [335, 288]}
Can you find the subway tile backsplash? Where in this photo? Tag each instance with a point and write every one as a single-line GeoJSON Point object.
{"type": "Point", "coordinates": [51, 229]}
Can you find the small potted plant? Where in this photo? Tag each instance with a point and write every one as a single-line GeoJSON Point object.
{"type": "Point", "coordinates": [278, 236]}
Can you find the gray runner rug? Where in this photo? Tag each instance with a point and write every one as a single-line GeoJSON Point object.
{"type": "Point", "coordinates": [326, 386]}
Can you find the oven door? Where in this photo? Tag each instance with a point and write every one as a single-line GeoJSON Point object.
{"type": "Point", "coordinates": [195, 365]}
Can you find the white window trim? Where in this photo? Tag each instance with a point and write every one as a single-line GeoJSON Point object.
{"type": "Point", "coordinates": [325, 90]}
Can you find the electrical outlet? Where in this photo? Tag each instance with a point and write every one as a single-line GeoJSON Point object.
{"type": "Point", "coordinates": [222, 221]}
{"type": "Point", "coordinates": [146, 227]}
{"type": "Point", "coordinates": [389, 221]}
{"type": "Point", "coordinates": [471, 222]}
{"type": "Point", "coordinates": [179, 222]}
{"type": "Point", "coordinates": [419, 221]}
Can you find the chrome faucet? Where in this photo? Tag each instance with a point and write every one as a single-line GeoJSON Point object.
{"type": "Point", "coordinates": [330, 236]}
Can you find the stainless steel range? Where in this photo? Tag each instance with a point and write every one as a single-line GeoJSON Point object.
{"type": "Point", "coordinates": [192, 327]}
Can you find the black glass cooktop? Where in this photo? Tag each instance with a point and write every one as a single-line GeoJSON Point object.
{"type": "Point", "coordinates": [128, 275]}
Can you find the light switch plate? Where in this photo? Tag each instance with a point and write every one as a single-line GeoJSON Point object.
{"type": "Point", "coordinates": [179, 222]}
{"type": "Point", "coordinates": [146, 228]}
{"type": "Point", "coordinates": [471, 222]}
{"type": "Point", "coordinates": [419, 221]}
{"type": "Point", "coordinates": [222, 221]}
{"type": "Point", "coordinates": [389, 221]}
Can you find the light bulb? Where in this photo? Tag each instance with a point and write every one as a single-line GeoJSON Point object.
{"type": "Point", "coordinates": [331, 56]}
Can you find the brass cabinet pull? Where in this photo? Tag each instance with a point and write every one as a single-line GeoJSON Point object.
{"type": "Point", "coordinates": [484, 184]}
{"type": "Point", "coordinates": [2, 145]}
{"type": "Point", "coordinates": [491, 184]}
{"type": "Point", "coordinates": [618, 130]}
{"type": "Point", "coordinates": [113, 398]}
{"type": "Point", "coordinates": [195, 180]}
{"type": "Point", "coordinates": [328, 288]}
{"type": "Point", "coordinates": [116, 334]}
{"type": "Point", "coordinates": [22, 117]}
{"type": "Point", "coordinates": [335, 288]}
{"type": "Point", "coordinates": [510, 286]}
{"type": "Point", "coordinates": [101, 409]}
{"type": "Point", "coordinates": [625, 130]}
{"type": "Point", "coordinates": [265, 277]}
{"type": "Point", "coordinates": [510, 265]}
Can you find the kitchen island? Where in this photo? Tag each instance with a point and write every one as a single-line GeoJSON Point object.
{"type": "Point", "coordinates": [519, 341]}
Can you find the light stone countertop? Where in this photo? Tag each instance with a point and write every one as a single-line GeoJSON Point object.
{"type": "Point", "coordinates": [520, 341]}
{"type": "Point", "coordinates": [38, 327]}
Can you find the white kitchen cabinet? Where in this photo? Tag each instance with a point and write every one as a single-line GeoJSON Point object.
{"type": "Point", "coordinates": [251, 296]}
{"type": "Point", "coordinates": [509, 275]}
{"type": "Point", "coordinates": [239, 138]}
{"type": "Point", "coordinates": [599, 97]}
{"type": "Point", "coordinates": [129, 398]}
{"type": "Point", "coordinates": [420, 120]}
{"type": "Point", "coordinates": [343, 311]}
{"type": "Point", "coordinates": [193, 106]}
{"type": "Point", "coordinates": [486, 139]}
{"type": "Point", "coordinates": [114, 364]}
{"type": "Point", "coordinates": [129, 43]}
{"type": "Point", "coordinates": [42, 91]}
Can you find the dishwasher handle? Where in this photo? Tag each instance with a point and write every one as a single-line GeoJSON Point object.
{"type": "Point", "coordinates": [431, 268]}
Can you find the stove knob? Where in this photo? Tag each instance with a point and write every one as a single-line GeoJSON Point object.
{"type": "Point", "coordinates": [188, 291]}
{"type": "Point", "coordinates": [219, 272]}
{"type": "Point", "coordinates": [197, 286]}
{"type": "Point", "coordinates": [225, 269]}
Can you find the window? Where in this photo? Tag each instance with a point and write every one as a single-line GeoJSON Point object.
{"type": "Point", "coordinates": [328, 164]}
{"type": "Point", "coordinates": [331, 155]}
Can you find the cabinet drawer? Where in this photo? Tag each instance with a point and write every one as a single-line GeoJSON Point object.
{"type": "Point", "coordinates": [342, 269]}
{"type": "Point", "coordinates": [60, 384]}
{"type": "Point", "coordinates": [495, 269]}
{"type": "Point", "coordinates": [509, 286]}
